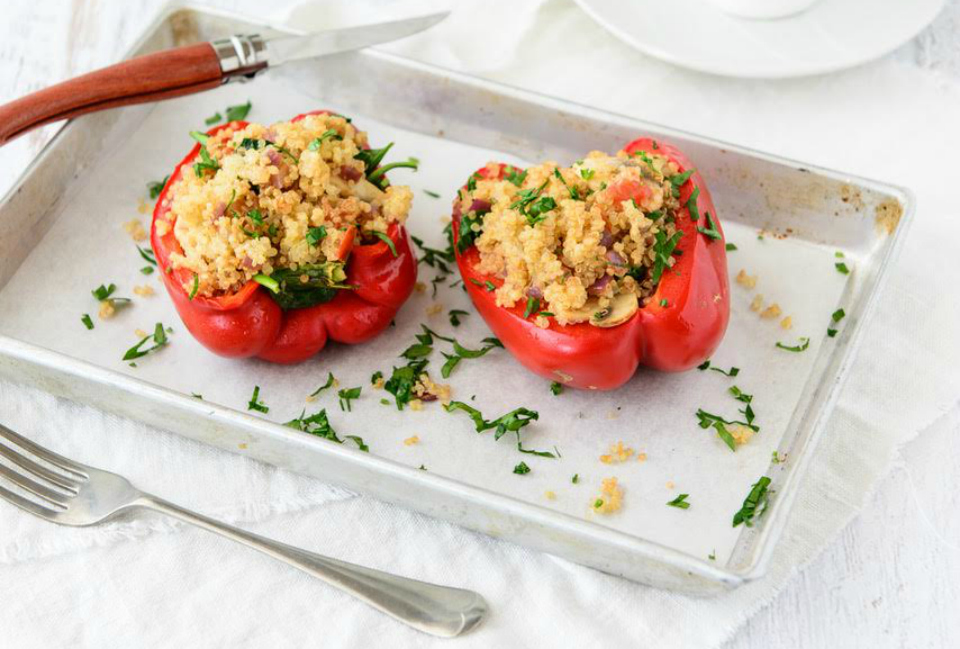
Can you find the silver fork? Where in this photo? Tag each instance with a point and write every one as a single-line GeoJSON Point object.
{"type": "Point", "coordinates": [76, 494]}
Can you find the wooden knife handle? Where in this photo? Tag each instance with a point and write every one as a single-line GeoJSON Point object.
{"type": "Point", "coordinates": [162, 75]}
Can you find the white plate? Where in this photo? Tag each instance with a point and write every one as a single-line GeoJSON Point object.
{"type": "Point", "coordinates": [832, 35]}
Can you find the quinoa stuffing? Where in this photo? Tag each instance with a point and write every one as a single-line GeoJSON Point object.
{"type": "Point", "coordinates": [585, 243]}
{"type": "Point", "coordinates": [610, 499]}
{"type": "Point", "coordinates": [286, 197]}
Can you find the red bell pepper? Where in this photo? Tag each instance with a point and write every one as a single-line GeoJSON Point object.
{"type": "Point", "coordinates": [681, 325]}
{"type": "Point", "coordinates": [249, 323]}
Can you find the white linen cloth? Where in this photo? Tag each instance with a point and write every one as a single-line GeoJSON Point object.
{"type": "Point", "coordinates": [154, 583]}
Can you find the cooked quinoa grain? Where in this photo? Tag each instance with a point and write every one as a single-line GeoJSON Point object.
{"type": "Point", "coordinates": [283, 196]}
{"type": "Point", "coordinates": [582, 240]}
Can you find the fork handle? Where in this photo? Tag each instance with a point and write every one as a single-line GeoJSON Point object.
{"type": "Point", "coordinates": [433, 609]}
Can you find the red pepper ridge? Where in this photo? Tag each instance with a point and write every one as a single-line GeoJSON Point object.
{"type": "Point", "coordinates": [675, 337]}
{"type": "Point", "coordinates": [249, 323]}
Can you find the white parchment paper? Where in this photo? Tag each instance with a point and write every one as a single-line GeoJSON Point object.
{"type": "Point", "coordinates": [653, 414]}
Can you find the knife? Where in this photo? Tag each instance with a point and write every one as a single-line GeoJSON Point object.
{"type": "Point", "coordinates": [187, 70]}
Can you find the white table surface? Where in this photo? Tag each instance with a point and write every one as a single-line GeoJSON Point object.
{"type": "Point", "coordinates": [891, 579]}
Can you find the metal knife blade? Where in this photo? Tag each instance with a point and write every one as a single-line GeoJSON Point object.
{"type": "Point", "coordinates": [293, 48]}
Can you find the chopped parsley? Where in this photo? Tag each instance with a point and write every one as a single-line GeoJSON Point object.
{"type": "Point", "coordinates": [207, 162]}
{"type": "Point", "coordinates": [678, 181]}
{"type": "Point", "coordinates": [377, 376]}
{"type": "Point", "coordinates": [347, 396]}
{"type": "Point", "coordinates": [329, 384]}
{"type": "Point", "coordinates": [705, 365]}
{"type": "Point", "coordinates": [802, 346]}
{"type": "Point", "coordinates": [371, 159]}
{"type": "Point", "coordinates": [235, 113]}
{"type": "Point", "coordinates": [832, 333]}
{"type": "Point", "coordinates": [315, 235]}
{"type": "Point", "coordinates": [842, 268]}
{"type": "Point", "coordinates": [155, 187]}
{"type": "Point", "coordinates": [556, 388]}
{"type": "Point", "coordinates": [521, 469]}
{"type": "Point", "coordinates": [680, 502]}
{"type": "Point", "coordinates": [691, 205]}
{"type": "Point", "coordinates": [195, 287]}
{"type": "Point", "coordinates": [387, 240]}
{"type": "Point", "coordinates": [531, 206]}
{"type": "Point", "coordinates": [255, 403]}
{"type": "Point", "coordinates": [159, 338]}
{"type": "Point", "coordinates": [663, 248]}
{"type": "Point", "coordinates": [86, 320]}
{"type": "Point", "coordinates": [431, 194]}
{"type": "Point", "coordinates": [533, 305]}
{"type": "Point", "coordinates": [147, 270]}
{"type": "Point", "coordinates": [319, 425]}
{"type": "Point", "coordinates": [710, 232]}
{"type": "Point", "coordinates": [731, 247]}
{"type": "Point", "coordinates": [102, 292]}
{"type": "Point", "coordinates": [754, 504]}
{"type": "Point", "coordinates": [515, 175]}
{"type": "Point", "coordinates": [575, 479]}
{"type": "Point", "coordinates": [574, 192]}
{"type": "Point", "coordinates": [455, 315]}
{"type": "Point", "coordinates": [838, 315]}
{"type": "Point", "coordinates": [512, 422]}
{"type": "Point", "coordinates": [460, 352]}
{"type": "Point", "coordinates": [316, 142]}
{"type": "Point", "coordinates": [664, 302]}
{"type": "Point", "coordinates": [403, 380]}
{"type": "Point", "coordinates": [586, 173]}
{"type": "Point", "coordinates": [213, 119]}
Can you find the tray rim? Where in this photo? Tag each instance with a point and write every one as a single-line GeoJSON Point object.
{"type": "Point", "coordinates": [777, 517]}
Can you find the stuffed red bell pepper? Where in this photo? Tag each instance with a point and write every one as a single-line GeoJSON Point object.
{"type": "Point", "coordinates": [273, 239]}
{"type": "Point", "coordinates": [588, 271]}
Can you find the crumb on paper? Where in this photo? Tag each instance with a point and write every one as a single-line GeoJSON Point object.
{"type": "Point", "coordinates": [772, 311]}
{"type": "Point", "coordinates": [140, 333]}
{"type": "Point", "coordinates": [563, 376]}
{"type": "Point", "coordinates": [641, 457]}
{"type": "Point", "coordinates": [107, 310]}
{"type": "Point", "coordinates": [445, 218]}
{"type": "Point", "coordinates": [851, 195]}
{"type": "Point", "coordinates": [887, 215]}
{"type": "Point", "coordinates": [420, 287]}
{"type": "Point", "coordinates": [410, 441]}
{"type": "Point", "coordinates": [434, 309]}
{"type": "Point", "coordinates": [757, 303]}
{"type": "Point", "coordinates": [741, 434]}
{"type": "Point", "coordinates": [242, 446]}
{"type": "Point", "coordinates": [618, 453]}
{"type": "Point", "coordinates": [427, 390]}
{"type": "Point", "coordinates": [311, 398]}
{"type": "Point", "coordinates": [610, 499]}
{"type": "Point", "coordinates": [746, 280]}
{"type": "Point", "coordinates": [549, 495]}
{"type": "Point", "coordinates": [379, 383]}
{"type": "Point", "coordinates": [670, 484]}
{"type": "Point", "coordinates": [143, 291]}
{"type": "Point", "coordinates": [613, 414]}
{"type": "Point", "coordinates": [135, 229]}
{"type": "Point", "coordinates": [143, 207]}
{"type": "Point", "coordinates": [416, 404]}
{"type": "Point", "coordinates": [786, 323]}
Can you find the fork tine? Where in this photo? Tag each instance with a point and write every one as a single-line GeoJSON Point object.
{"type": "Point", "coordinates": [53, 497]}
{"type": "Point", "coordinates": [29, 465]}
{"type": "Point", "coordinates": [27, 505]}
{"type": "Point", "coordinates": [51, 457]}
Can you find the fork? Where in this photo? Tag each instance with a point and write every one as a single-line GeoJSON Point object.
{"type": "Point", "coordinates": [69, 493]}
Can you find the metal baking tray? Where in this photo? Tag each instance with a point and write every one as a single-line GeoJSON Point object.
{"type": "Point", "coordinates": [804, 215]}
